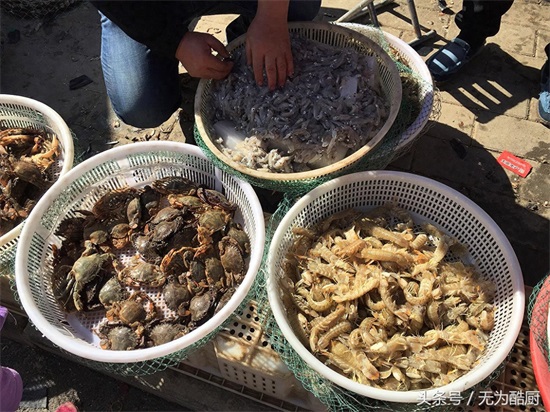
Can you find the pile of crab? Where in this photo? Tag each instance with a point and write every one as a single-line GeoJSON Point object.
{"type": "Point", "coordinates": [159, 260]}
{"type": "Point", "coordinates": [26, 158]}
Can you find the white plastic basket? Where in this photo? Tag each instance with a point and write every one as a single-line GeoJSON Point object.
{"type": "Point", "coordinates": [134, 165]}
{"type": "Point", "coordinates": [327, 34]}
{"type": "Point", "coordinates": [415, 62]}
{"type": "Point", "coordinates": [427, 201]}
{"type": "Point", "coordinates": [20, 111]}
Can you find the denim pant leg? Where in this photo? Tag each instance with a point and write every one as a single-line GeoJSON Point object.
{"type": "Point", "coordinates": [143, 87]}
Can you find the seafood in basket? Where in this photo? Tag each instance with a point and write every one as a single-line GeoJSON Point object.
{"type": "Point", "coordinates": [26, 157]}
{"type": "Point", "coordinates": [387, 301]}
{"type": "Point", "coordinates": [332, 106]}
{"type": "Point", "coordinates": [173, 241]}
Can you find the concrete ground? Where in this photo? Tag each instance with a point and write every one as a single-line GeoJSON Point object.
{"type": "Point", "coordinates": [489, 109]}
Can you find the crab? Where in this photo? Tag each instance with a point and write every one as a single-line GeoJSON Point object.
{"type": "Point", "coordinates": [116, 336]}
{"type": "Point", "coordinates": [200, 307]}
{"type": "Point", "coordinates": [140, 273]}
{"type": "Point", "coordinates": [216, 199]}
{"type": "Point", "coordinates": [231, 256]}
{"type": "Point", "coordinates": [137, 310]}
{"type": "Point", "coordinates": [226, 297]}
{"type": "Point", "coordinates": [164, 331]}
{"type": "Point", "coordinates": [85, 270]}
{"type": "Point", "coordinates": [210, 222]}
{"type": "Point", "coordinates": [120, 235]}
{"type": "Point", "coordinates": [113, 205]}
{"type": "Point", "coordinates": [175, 185]}
{"type": "Point", "coordinates": [112, 291]}
{"type": "Point", "coordinates": [235, 231]}
{"type": "Point", "coordinates": [176, 295]}
{"type": "Point", "coordinates": [145, 248]}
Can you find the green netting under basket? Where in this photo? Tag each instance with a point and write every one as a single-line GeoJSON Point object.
{"type": "Point", "coordinates": [539, 316]}
{"type": "Point", "coordinates": [415, 109]}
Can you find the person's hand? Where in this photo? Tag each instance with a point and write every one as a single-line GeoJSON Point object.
{"type": "Point", "coordinates": [268, 46]}
{"type": "Point", "coordinates": [195, 54]}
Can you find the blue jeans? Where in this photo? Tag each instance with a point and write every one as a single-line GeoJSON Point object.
{"type": "Point", "coordinates": [142, 85]}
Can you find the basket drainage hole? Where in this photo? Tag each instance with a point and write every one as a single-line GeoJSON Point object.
{"type": "Point", "coordinates": [236, 324]}
{"type": "Point", "coordinates": [241, 334]}
{"type": "Point", "coordinates": [252, 330]}
{"type": "Point", "coordinates": [248, 315]}
{"type": "Point", "coordinates": [264, 343]}
{"type": "Point", "coordinates": [248, 338]}
{"type": "Point", "coordinates": [513, 372]}
{"type": "Point", "coordinates": [243, 326]}
{"type": "Point", "coordinates": [257, 319]}
{"type": "Point", "coordinates": [232, 332]}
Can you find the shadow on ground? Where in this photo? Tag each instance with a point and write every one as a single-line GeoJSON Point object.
{"type": "Point", "coordinates": [510, 83]}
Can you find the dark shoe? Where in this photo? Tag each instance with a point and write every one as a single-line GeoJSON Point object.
{"type": "Point", "coordinates": [544, 96]}
{"type": "Point", "coordinates": [449, 60]}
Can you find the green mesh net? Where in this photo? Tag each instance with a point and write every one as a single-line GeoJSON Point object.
{"type": "Point", "coordinates": [419, 104]}
{"type": "Point", "coordinates": [538, 312]}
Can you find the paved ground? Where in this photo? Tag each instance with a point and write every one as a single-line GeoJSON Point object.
{"type": "Point", "coordinates": [488, 110]}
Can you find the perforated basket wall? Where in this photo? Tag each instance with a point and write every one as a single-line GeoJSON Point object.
{"type": "Point", "coordinates": [324, 33]}
{"type": "Point", "coordinates": [427, 201]}
{"type": "Point", "coordinates": [134, 165]}
{"type": "Point", "coordinates": [20, 111]}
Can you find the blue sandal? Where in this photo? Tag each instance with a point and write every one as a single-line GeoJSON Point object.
{"type": "Point", "coordinates": [449, 60]}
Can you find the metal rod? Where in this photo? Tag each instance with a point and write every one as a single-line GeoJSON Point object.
{"type": "Point", "coordinates": [414, 18]}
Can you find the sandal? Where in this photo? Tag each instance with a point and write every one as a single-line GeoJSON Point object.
{"type": "Point", "coordinates": [544, 97]}
{"type": "Point", "coordinates": [449, 60]}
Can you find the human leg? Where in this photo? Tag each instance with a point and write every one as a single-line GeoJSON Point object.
{"type": "Point", "coordinates": [143, 86]}
{"type": "Point", "coordinates": [480, 19]}
{"type": "Point", "coordinates": [477, 20]}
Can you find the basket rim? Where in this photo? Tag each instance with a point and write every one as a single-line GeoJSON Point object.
{"type": "Point", "coordinates": [416, 127]}
{"type": "Point", "coordinates": [322, 171]}
{"type": "Point", "coordinates": [65, 136]}
{"type": "Point", "coordinates": [461, 384]}
{"type": "Point", "coordinates": [86, 350]}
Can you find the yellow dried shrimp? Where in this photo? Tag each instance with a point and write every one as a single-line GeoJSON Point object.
{"type": "Point", "coordinates": [386, 301]}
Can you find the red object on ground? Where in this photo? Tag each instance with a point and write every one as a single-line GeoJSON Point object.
{"type": "Point", "coordinates": [513, 163]}
{"type": "Point", "coordinates": [541, 367]}
{"type": "Point", "coordinates": [67, 407]}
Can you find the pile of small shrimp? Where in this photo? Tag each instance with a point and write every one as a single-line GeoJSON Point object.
{"type": "Point", "coordinates": [314, 120]}
{"type": "Point", "coordinates": [387, 302]}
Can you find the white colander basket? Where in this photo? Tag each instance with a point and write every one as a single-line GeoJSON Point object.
{"type": "Point", "coordinates": [327, 34]}
{"type": "Point", "coordinates": [132, 165]}
{"type": "Point", "coordinates": [20, 111]}
{"type": "Point", "coordinates": [427, 201]}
